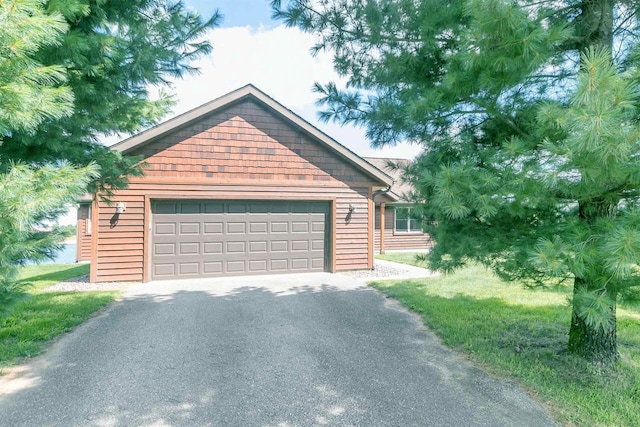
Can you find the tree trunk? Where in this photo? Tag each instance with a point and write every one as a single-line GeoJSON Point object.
{"type": "Point", "coordinates": [596, 343]}
{"type": "Point", "coordinates": [596, 24]}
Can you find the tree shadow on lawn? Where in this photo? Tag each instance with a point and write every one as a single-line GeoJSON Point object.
{"type": "Point", "coordinates": [530, 343]}
{"type": "Point", "coordinates": [491, 324]}
{"type": "Point", "coordinates": [60, 272]}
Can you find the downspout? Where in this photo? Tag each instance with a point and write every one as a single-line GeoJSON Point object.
{"type": "Point", "coordinates": [373, 196]}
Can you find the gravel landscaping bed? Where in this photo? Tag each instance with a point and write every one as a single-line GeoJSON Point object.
{"type": "Point", "coordinates": [81, 284]}
{"type": "Point", "coordinates": [389, 270]}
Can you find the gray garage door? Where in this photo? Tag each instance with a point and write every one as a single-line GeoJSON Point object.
{"type": "Point", "coordinates": [208, 238]}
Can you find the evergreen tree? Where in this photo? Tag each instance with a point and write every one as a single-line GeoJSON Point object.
{"type": "Point", "coordinates": [30, 93]}
{"type": "Point", "coordinates": [31, 199]}
{"type": "Point", "coordinates": [112, 54]}
{"type": "Point", "coordinates": [527, 112]}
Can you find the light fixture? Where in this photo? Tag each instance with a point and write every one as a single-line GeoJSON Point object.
{"type": "Point", "coordinates": [352, 208]}
{"type": "Point", "coordinates": [120, 208]}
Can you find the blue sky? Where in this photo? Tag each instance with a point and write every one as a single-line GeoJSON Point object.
{"type": "Point", "coordinates": [237, 13]}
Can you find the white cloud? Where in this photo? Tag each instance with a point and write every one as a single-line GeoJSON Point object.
{"type": "Point", "coordinates": [277, 61]}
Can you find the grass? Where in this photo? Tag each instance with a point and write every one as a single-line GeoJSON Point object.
{"type": "Point", "coordinates": [43, 316]}
{"type": "Point", "coordinates": [520, 333]}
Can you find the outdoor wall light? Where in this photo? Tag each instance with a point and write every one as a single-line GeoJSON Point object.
{"type": "Point", "coordinates": [352, 209]}
{"type": "Point", "coordinates": [120, 208]}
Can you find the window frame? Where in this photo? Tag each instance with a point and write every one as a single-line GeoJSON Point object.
{"type": "Point", "coordinates": [88, 222]}
{"type": "Point", "coordinates": [408, 219]}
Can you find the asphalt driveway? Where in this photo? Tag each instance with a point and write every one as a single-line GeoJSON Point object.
{"type": "Point", "coordinates": [296, 350]}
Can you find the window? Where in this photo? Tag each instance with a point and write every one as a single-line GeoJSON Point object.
{"type": "Point", "coordinates": [407, 221]}
{"type": "Point", "coordinates": [88, 222]}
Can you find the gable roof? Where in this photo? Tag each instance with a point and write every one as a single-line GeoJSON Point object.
{"type": "Point", "coordinates": [399, 188]}
{"type": "Point", "coordinates": [251, 92]}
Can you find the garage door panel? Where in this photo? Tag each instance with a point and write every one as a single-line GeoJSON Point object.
{"type": "Point", "coordinates": [236, 228]}
{"type": "Point", "coordinates": [300, 227]}
{"type": "Point", "coordinates": [279, 264]}
{"type": "Point", "coordinates": [300, 264]}
{"type": "Point", "coordinates": [211, 248]}
{"type": "Point", "coordinates": [258, 227]}
{"type": "Point", "coordinates": [189, 228]}
{"type": "Point", "coordinates": [168, 228]}
{"type": "Point", "coordinates": [160, 270]}
{"type": "Point", "coordinates": [235, 266]}
{"type": "Point", "coordinates": [236, 247]}
{"type": "Point", "coordinates": [213, 227]}
{"type": "Point", "coordinates": [279, 227]}
{"type": "Point", "coordinates": [189, 268]}
{"type": "Point", "coordinates": [279, 245]}
{"type": "Point", "coordinates": [212, 267]}
{"type": "Point", "coordinates": [189, 248]}
{"type": "Point", "coordinates": [258, 266]}
{"type": "Point", "coordinates": [215, 238]}
{"type": "Point", "coordinates": [258, 247]}
{"type": "Point", "coordinates": [299, 245]}
{"type": "Point", "coordinates": [164, 249]}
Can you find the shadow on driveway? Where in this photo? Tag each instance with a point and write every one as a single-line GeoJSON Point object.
{"type": "Point", "coordinates": [327, 352]}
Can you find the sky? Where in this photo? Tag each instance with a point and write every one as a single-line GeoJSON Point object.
{"type": "Point", "coordinates": [249, 47]}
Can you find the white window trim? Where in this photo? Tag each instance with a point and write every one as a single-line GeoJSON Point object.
{"type": "Point", "coordinates": [88, 222]}
{"type": "Point", "coordinates": [395, 221]}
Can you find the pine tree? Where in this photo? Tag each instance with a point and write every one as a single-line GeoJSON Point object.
{"type": "Point", "coordinates": [31, 93]}
{"type": "Point", "coordinates": [112, 54]}
{"type": "Point", "coordinates": [527, 112]}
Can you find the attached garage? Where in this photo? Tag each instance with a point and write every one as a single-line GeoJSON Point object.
{"type": "Point", "coordinates": [209, 238]}
{"type": "Point", "coordinates": [240, 185]}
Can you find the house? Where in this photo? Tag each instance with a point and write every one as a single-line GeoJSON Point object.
{"type": "Point", "coordinates": [397, 228]}
{"type": "Point", "coordinates": [240, 185]}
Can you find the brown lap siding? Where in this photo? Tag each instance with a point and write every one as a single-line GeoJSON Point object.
{"type": "Point", "coordinates": [120, 239]}
{"type": "Point", "coordinates": [121, 247]}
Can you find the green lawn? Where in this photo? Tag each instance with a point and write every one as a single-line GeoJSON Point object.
{"type": "Point", "coordinates": [44, 315]}
{"type": "Point", "coordinates": [520, 333]}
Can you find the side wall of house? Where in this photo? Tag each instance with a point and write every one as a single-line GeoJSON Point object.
{"type": "Point", "coordinates": [243, 152]}
{"type": "Point", "coordinates": [395, 241]}
{"type": "Point", "coordinates": [83, 233]}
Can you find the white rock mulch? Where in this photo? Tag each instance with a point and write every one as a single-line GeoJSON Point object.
{"type": "Point", "coordinates": [390, 270]}
{"type": "Point", "coordinates": [82, 284]}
